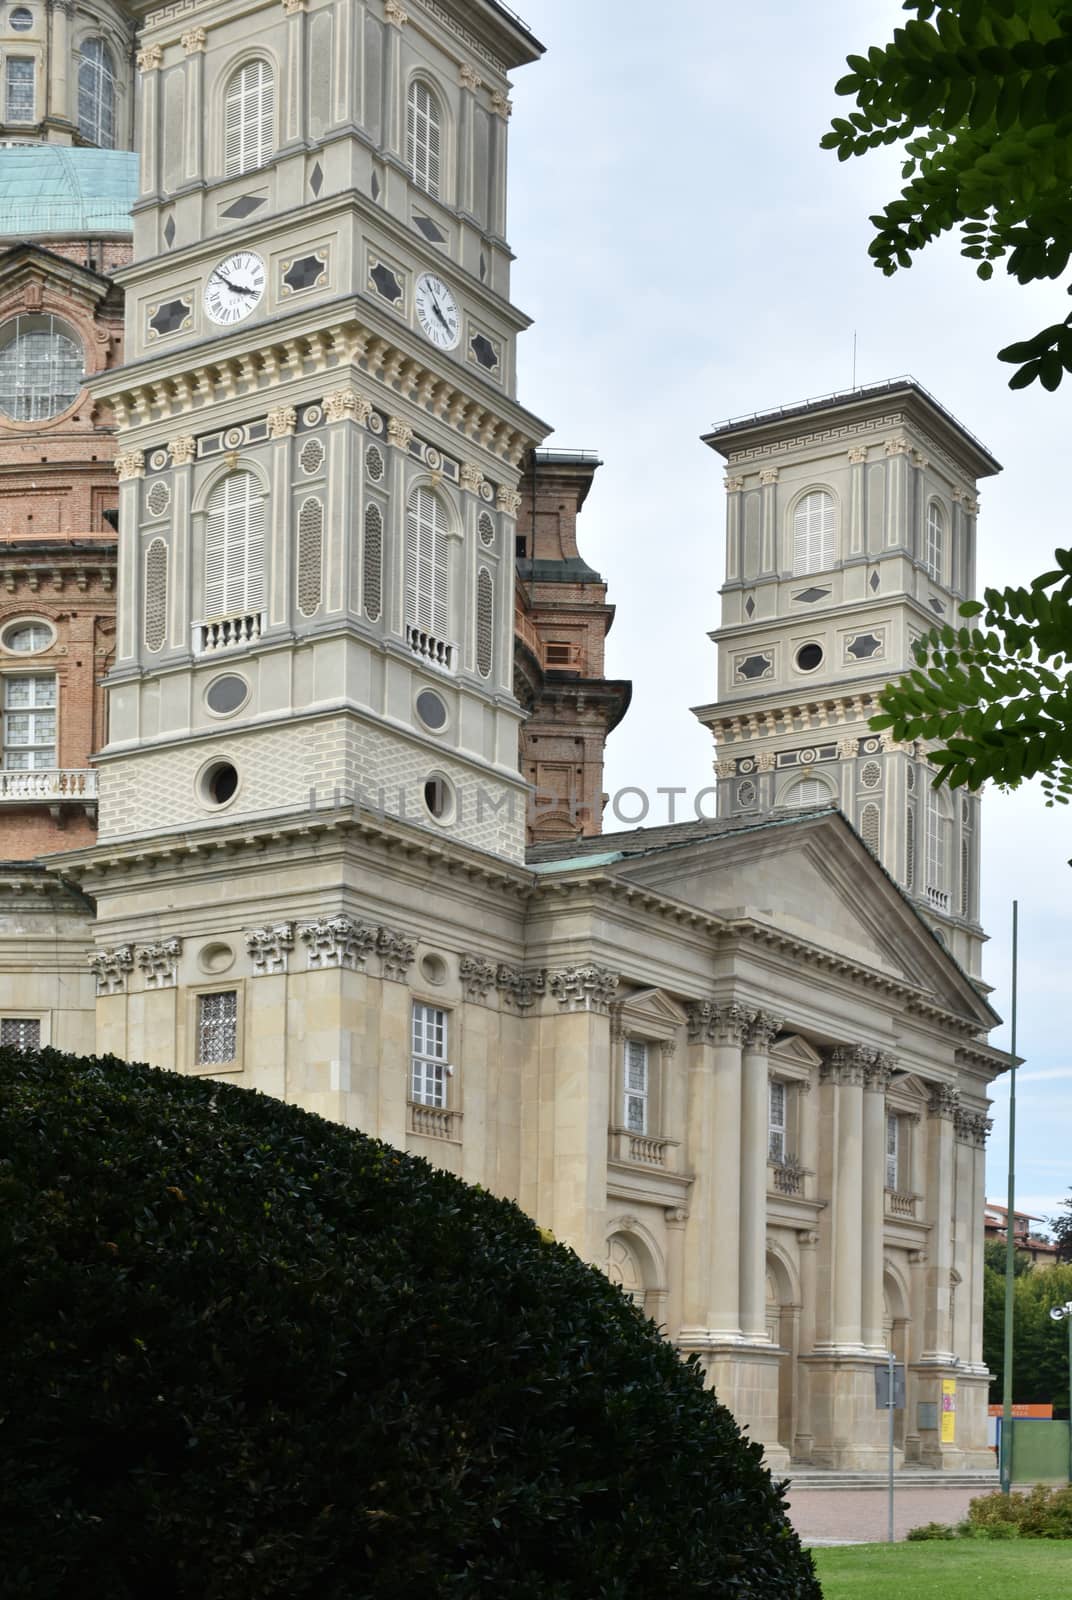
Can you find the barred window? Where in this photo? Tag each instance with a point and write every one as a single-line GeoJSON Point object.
{"type": "Point", "coordinates": [96, 94]}
{"type": "Point", "coordinates": [429, 1069]}
{"type": "Point", "coordinates": [372, 563]}
{"type": "Point", "coordinates": [426, 563]}
{"type": "Point", "coordinates": [869, 827]}
{"type": "Point", "coordinates": [423, 137]}
{"type": "Point", "coordinates": [776, 1122]}
{"type": "Point", "coordinates": [310, 555]}
{"type": "Point", "coordinates": [893, 1150]}
{"type": "Point", "coordinates": [910, 846]}
{"type": "Point", "coordinates": [156, 565]}
{"type": "Point", "coordinates": [20, 1033]}
{"type": "Point", "coordinates": [636, 1086]}
{"type": "Point", "coordinates": [41, 368]}
{"type": "Point", "coordinates": [814, 534]}
{"type": "Point", "coordinates": [217, 1028]}
{"type": "Point", "coordinates": [485, 621]}
{"type": "Point", "coordinates": [29, 723]}
{"type": "Point", "coordinates": [234, 547]}
{"type": "Point", "coordinates": [935, 541]}
{"type": "Point", "coordinates": [19, 78]}
{"type": "Point", "coordinates": [248, 114]}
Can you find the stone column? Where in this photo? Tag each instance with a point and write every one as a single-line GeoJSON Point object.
{"type": "Point", "coordinates": [845, 1071]}
{"type": "Point", "coordinates": [699, 1145]}
{"type": "Point", "coordinates": [676, 1218]}
{"type": "Point", "coordinates": [148, 62]}
{"type": "Point", "coordinates": [292, 112]}
{"type": "Point", "coordinates": [941, 1110]}
{"type": "Point", "coordinates": [872, 1211]}
{"type": "Point", "coordinates": [393, 107]}
{"type": "Point", "coordinates": [281, 425]}
{"type": "Point", "coordinates": [804, 1440]}
{"type": "Point", "coordinates": [769, 560]}
{"type": "Point", "coordinates": [181, 553]}
{"type": "Point", "coordinates": [857, 501]}
{"type": "Point", "coordinates": [130, 470]}
{"type": "Point", "coordinates": [575, 1072]}
{"type": "Point", "coordinates": [755, 1119]}
{"type": "Point", "coordinates": [713, 1155]}
{"type": "Point", "coordinates": [193, 43]}
{"type": "Point", "coordinates": [59, 87]}
{"type": "Point", "coordinates": [734, 553]}
{"type": "Point", "coordinates": [896, 491]}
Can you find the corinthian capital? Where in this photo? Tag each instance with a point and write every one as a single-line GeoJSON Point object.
{"type": "Point", "coordinates": [182, 451]}
{"type": "Point", "coordinates": [849, 1065]}
{"type": "Point", "coordinates": [762, 1031]}
{"type": "Point", "coordinates": [395, 14]}
{"type": "Point", "coordinates": [194, 41]}
{"type": "Point", "coordinates": [347, 403]}
{"type": "Point", "coordinates": [584, 988]}
{"type": "Point", "coordinates": [282, 422]}
{"type": "Point", "coordinates": [130, 465]}
{"type": "Point", "coordinates": [878, 1073]}
{"type": "Point", "coordinates": [150, 58]}
{"type": "Point", "coordinates": [943, 1101]}
{"type": "Point", "coordinates": [399, 433]}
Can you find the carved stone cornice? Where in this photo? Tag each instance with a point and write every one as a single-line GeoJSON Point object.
{"type": "Point", "coordinates": [878, 1074]}
{"type": "Point", "coordinates": [160, 963]}
{"type": "Point", "coordinates": [478, 977]}
{"type": "Point", "coordinates": [150, 58]}
{"type": "Point", "coordinates": [111, 967]}
{"type": "Point", "coordinates": [971, 1127]}
{"type": "Point", "coordinates": [586, 988]}
{"type": "Point", "coordinates": [183, 451]}
{"type": "Point", "coordinates": [282, 422]}
{"type": "Point", "coordinates": [761, 1031]}
{"type": "Point", "coordinates": [130, 465]}
{"type": "Point", "coordinates": [396, 953]}
{"type": "Point", "coordinates": [943, 1101]}
{"type": "Point", "coordinates": [270, 948]}
{"type": "Point", "coordinates": [194, 41]}
{"type": "Point", "coordinates": [337, 942]}
{"type": "Point", "coordinates": [347, 404]}
{"type": "Point", "coordinates": [848, 1065]}
{"type": "Point", "coordinates": [521, 989]}
{"type": "Point", "coordinates": [399, 433]}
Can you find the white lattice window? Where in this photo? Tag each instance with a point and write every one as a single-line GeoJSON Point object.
{"type": "Point", "coordinates": [429, 1070]}
{"type": "Point", "coordinates": [807, 792]}
{"type": "Point", "coordinates": [635, 1107]}
{"type": "Point", "coordinates": [20, 1033]}
{"type": "Point", "coordinates": [19, 85]}
{"type": "Point", "coordinates": [234, 547]}
{"type": "Point", "coordinates": [96, 94]}
{"type": "Point", "coordinates": [217, 1028]}
{"type": "Point", "coordinates": [372, 563]}
{"type": "Point", "coordinates": [776, 1113]}
{"type": "Point", "coordinates": [30, 723]}
{"type": "Point", "coordinates": [893, 1150]}
{"type": "Point", "coordinates": [41, 368]}
{"type": "Point", "coordinates": [937, 832]}
{"type": "Point", "coordinates": [935, 541]}
{"type": "Point", "coordinates": [426, 563]}
{"type": "Point", "coordinates": [814, 533]}
{"type": "Point", "coordinates": [870, 826]}
{"type": "Point", "coordinates": [248, 112]}
{"type": "Point", "coordinates": [156, 565]}
{"type": "Point", "coordinates": [423, 137]}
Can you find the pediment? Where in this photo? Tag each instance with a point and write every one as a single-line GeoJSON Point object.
{"type": "Point", "coordinates": [651, 1013]}
{"type": "Point", "coordinates": [46, 281]}
{"type": "Point", "coordinates": [796, 1055]}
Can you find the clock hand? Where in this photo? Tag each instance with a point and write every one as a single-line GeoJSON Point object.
{"type": "Point", "coordinates": [439, 314]}
{"type": "Point", "coordinates": [235, 288]}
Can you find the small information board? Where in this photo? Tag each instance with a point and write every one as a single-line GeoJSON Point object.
{"type": "Point", "coordinates": [882, 1388]}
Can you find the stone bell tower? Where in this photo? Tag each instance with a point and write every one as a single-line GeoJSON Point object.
{"type": "Point", "coordinates": [850, 531]}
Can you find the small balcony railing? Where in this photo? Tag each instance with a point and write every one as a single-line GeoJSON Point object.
{"type": "Point", "coordinates": [433, 1122]}
{"type": "Point", "coordinates": [937, 898]}
{"type": "Point", "coordinates": [227, 633]}
{"type": "Point", "coordinates": [900, 1204]}
{"type": "Point", "coordinates": [786, 1177]}
{"type": "Point", "coordinates": [55, 785]}
{"type": "Point", "coordinates": [642, 1149]}
{"type": "Point", "coordinates": [432, 651]}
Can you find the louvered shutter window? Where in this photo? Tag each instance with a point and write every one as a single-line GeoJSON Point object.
{"type": "Point", "coordinates": [814, 534]}
{"type": "Point", "coordinates": [426, 564]}
{"type": "Point", "coordinates": [423, 135]}
{"type": "Point", "coordinates": [156, 563]}
{"type": "Point", "coordinates": [893, 1141]}
{"type": "Point", "coordinates": [485, 621]}
{"type": "Point", "coordinates": [234, 548]}
{"type": "Point", "coordinates": [776, 1123]}
{"type": "Point", "coordinates": [248, 118]}
{"type": "Point", "coordinates": [807, 792]}
{"type": "Point", "coordinates": [372, 564]}
{"type": "Point", "coordinates": [935, 542]}
{"type": "Point", "coordinates": [96, 94]}
{"type": "Point", "coordinates": [636, 1086]}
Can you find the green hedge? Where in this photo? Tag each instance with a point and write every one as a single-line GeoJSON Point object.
{"type": "Point", "coordinates": [248, 1353]}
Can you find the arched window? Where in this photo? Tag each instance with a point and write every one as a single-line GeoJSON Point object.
{"type": "Point", "coordinates": [807, 792]}
{"type": "Point", "coordinates": [248, 106]}
{"type": "Point", "coordinates": [41, 368]}
{"type": "Point", "coordinates": [234, 547]}
{"type": "Point", "coordinates": [426, 564]}
{"type": "Point", "coordinates": [96, 94]}
{"type": "Point", "coordinates": [937, 852]}
{"type": "Point", "coordinates": [814, 534]}
{"type": "Point", "coordinates": [423, 137]}
{"type": "Point", "coordinates": [935, 541]}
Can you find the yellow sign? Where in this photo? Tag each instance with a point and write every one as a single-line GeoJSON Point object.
{"type": "Point", "coordinates": [949, 1410]}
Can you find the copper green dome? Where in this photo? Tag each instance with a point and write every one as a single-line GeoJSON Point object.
{"type": "Point", "coordinates": [49, 189]}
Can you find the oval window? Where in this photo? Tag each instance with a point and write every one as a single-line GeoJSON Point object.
{"type": "Point", "coordinates": [809, 656]}
{"type": "Point", "coordinates": [431, 710]}
{"type": "Point", "coordinates": [226, 694]}
{"type": "Point", "coordinates": [27, 638]}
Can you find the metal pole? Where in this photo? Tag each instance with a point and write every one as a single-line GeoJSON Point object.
{"type": "Point", "coordinates": [892, 1370]}
{"type": "Point", "coordinates": [1010, 1243]}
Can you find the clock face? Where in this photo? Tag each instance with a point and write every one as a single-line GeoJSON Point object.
{"type": "Point", "coordinates": [234, 288]}
{"type": "Point", "coordinates": [437, 311]}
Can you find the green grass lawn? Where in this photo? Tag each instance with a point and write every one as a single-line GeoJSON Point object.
{"type": "Point", "coordinates": [967, 1569]}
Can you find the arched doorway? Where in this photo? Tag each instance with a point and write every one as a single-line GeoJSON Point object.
{"type": "Point", "coordinates": [635, 1264]}
{"type": "Point", "coordinates": [896, 1330]}
{"type": "Point", "coordinates": [783, 1330]}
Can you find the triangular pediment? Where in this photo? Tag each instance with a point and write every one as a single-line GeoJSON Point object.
{"type": "Point", "coordinates": [650, 1012]}
{"type": "Point", "coordinates": [796, 1053]}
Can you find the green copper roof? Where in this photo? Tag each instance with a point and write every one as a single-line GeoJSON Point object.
{"type": "Point", "coordinates": [50, 188]}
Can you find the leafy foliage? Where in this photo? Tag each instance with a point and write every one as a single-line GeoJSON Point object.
{"type": "Point", "coordinates": [1061, 1228]}
{"type": "Point", "coordinates": [997, 699]}
{"type": "Point", "coordinates": [1041, 1513]}
{"type": "Point", "coordinates": [980, 91]}
{"type": "Point", "coordinates": [994, 1258]}
{"type": "Point", "coordinates": [249, 1353]}
{"type": "Point", "coordinates": [1040, 1345]}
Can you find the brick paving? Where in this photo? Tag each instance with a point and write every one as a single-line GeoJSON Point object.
{"type": "Point", "coordinates": [858, 1516]}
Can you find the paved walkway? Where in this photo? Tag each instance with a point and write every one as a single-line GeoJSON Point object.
{"type": "Point", "coordinates": [859, 1516]}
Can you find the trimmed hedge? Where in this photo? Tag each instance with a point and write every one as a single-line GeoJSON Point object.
{"type": "Point", "coordinates": [248, 1353]}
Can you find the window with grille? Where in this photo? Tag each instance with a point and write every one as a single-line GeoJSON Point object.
{"type": "Point", "coordinates": [41, 368]}
{"type": "Point", "coordinates": [935, 541]}
{"type": "Point", "coordinates": [372, 563]}
{"type": "Point", "coordinates": [936, 841]}
{"type": "Point", "coordinates": [19, 82]}
{"type": "Point", "coordinates": [814, 534]}
{"type": "Point", "coordinates": [217, 1028]}
{"type": "Point", "coordinates": [29, 723]}
{"type": "Point", "coordinates": [636, 1086]}
{"type": "Point", "coordinates": [423, 137]}
{"type": "Point", "coordinates": [310, 555]}
{"type": "Point", "coordinates": [807, 792]}
{"type": "Point", "coordinates": [156, 563]}
{"type": "Point", "coordinates": [776, 1106]}
{"type": "Point", "coordinates": [426, 564]}
{"type": "Point", "coordinates": [248, 111]}
{"type": "Point", "coordinates": [96, 94]}
{"type": "Point", "coordinates": [893, 1150]}
{"type": "Point", "coordinates": [234, 547]}
{"type": "Point", "coordinates": [910, 847]}
{"type": "Point", "coordinates": [20, 1033]}
{"type": "Point", "coordinates": [869, 827]}
{"type": "Point", "coordinates": [429, 1070]}
{"type": "Point", "coordinates": [485, 621]}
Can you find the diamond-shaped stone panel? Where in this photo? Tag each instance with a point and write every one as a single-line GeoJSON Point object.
{"type": "Point", "coordinates": [430, 230]}
{"type": "Point", "coordinates": [385, 282]}
{"type": "Point", "coordinates": [169, 232]}
{"type": "Point", "coordinates": [244, 205]}
{"type": "Point", "coordinates": [874, 581]}
{"type": "Point", "coordinates": [809, 596]}
{"type": "Point", "coordinates": [375, 186]}
{"type": "Point", "coordinates": [750, 607]}
{"type": "Point", "coordinates": [864, 645]}
{"type": "Point", "coordinates": [754, 667]}
{"type": "Point", "coordinates": [316, 179]}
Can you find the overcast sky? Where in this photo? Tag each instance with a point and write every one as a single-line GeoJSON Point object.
{"type": "Point", "coordinates": [688, 254]}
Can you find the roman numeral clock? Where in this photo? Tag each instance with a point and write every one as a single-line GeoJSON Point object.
{"type": "Point", "coordinates": [234, 288]}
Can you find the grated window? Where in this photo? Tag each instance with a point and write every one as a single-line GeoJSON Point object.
{"type": "Point", "coordinates": [217, 1028]}
{"type": "Point", "coordinates": [871, 776]}
{"type": "Point", "coordinates": [869, 827]}
{"type": "Point", "coordinates": [746, 793]}
{"type": "Point", "coordinates": [41, 368]}
{"type": "Point", "coordinates": [485, 621]}
{"type": "Point", "coordinates": [311, 457]}
{"type": "Point", "coordinates": [310, 555]}
{"type": "Point", "coordinates": [20, 1033]}
{"type": "Point", "coordinates": [96, 94]}
{"type": "Point", "coordinates": [374, 463]}
{"type": "Point", "coordinates": [372, 563]}
{"type": "Point", "coordinates": [486, 529]}
{"type": "Point", "coordinates": [158, 498]}
{"type": "Point", "coordinates": [156, 565]}
{"type": "Point", "coordinates": [910, 848]}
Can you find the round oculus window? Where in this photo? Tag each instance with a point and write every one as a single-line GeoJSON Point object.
{"type": "Point", "coordinates": [808, 657]}
{"type": "Point", "coordinates": [431, 710]}
{"type": "Point", "coordinates": [439, 797]}
{"type": "Point", "coordinates": [42, 367]}
{"type": "Point", "coordinates": [27, 638]}
{"type": "Point", "coordinates": [225, 694]}
{"type": "Point", "coordinates": [219, 783]}
{"type": "Point", "coordinates": [21, 19]}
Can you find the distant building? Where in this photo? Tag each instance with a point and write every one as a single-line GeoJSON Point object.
{"type": "Point", "coordinates": [1043, 1251]}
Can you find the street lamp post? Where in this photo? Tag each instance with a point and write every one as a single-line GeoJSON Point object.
{"type": "Point", "coordinates": [1059, 1314]}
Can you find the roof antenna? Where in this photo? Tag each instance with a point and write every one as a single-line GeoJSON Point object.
{"type": "Point", "coordinates": [854, 358]}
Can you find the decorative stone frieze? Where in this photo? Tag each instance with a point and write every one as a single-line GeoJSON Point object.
{"type": "Point", "coordinates": [347, 404]}
{"type": "Point", "coordinates": [111, 967]}
{"type": "Point", "coordinates": [971, 1127]}
{"type": "Point", "coordinates": [399, 433]}
{"type": "Point", "coordinates": [130, 465]}
{"type": "Point", "coordinates": [396, 952]}
{"type": "Point", "coordinates": [282, 422]}
{"type": "Point", "coordinates": [478, 977]}
{"type": "Point", "coordinates": [183, 451]}
{"type": "Point", "coordinates": [943, 1101]}
{"type": "Point", "coordinates": [761, 1031]}
{"type": "Point", "coordinates": [160, 963]}
{"type": "Point", "coordinates": [878, 1073]}
{"type": "Point", "coordinates": [150, 58]}
{"type": "Point", "coordinates": [584, 988]}
{"type": "Point", "coordinates": [508, 501]}
{"type": "Point", "coordinates": [468, 77]}
{"type": "Point", "coordinates": [194, 41]}
{"type": "Point", "coordinates": [270, 948]}
{"type": "Point", "coordinates": [710, 1023]}
{"type": "Point", "coordinates": [521, 989]}
{"type": "Point", "coordinates": [337, 942]}
{"type": "Point", "coordinates": [470, 477]}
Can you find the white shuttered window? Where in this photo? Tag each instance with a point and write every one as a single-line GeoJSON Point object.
{"type": "Point", "coordinates": [248, 112]}
{"type": "Point", "coordinates": [814, 534]}
{"type": "Point", "coordinates": [234, 547]}
{"type": "Point", "coordinates": [423, 137]}
{"type": "Point", "coordinates": [636, 1086]}
{"type": "Point", "coordinates": [426, 564]}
